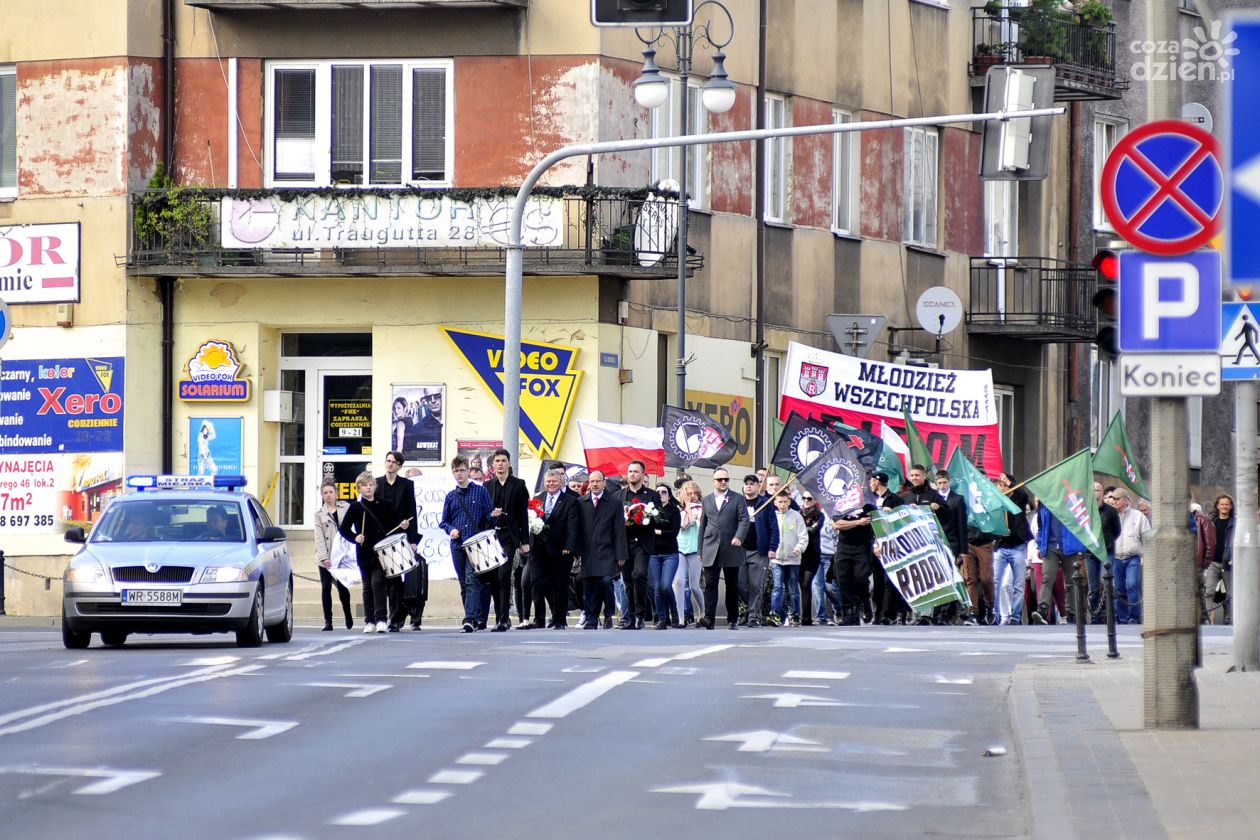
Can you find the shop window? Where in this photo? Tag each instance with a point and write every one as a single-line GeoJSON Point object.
{"type": "Point", "coordinates": [369, 123]}
{"type": "Point", "coordinates": [8, 131]}
{"type": "Point", "coordinates": [921, 189]}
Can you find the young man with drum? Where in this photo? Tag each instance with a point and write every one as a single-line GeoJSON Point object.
{"type": "Point", "coordinates": [466, 513]}
{"type": "Point", "coordinates": [364, 526]}
{"type": "Point", "coordinates": [406, 591]}
{"type": "Point", "coordinates": [511, 501]}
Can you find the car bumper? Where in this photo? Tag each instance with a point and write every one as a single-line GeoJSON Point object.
{"type": "Point", "coordinates": [205, 608]}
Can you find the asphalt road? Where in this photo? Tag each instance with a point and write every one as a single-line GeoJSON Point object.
{"type": "Point", "coordinates": [811, 732]}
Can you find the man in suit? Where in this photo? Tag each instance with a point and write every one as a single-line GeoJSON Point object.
{"type": "Point", "coordinates": [723, 526]}
{"type": "Point", "coordinates": [604, 549]}
{"type": "Point", "coordinates": [405, 593]}
{"type": "Point", "coordinates": [511, 502]}
{"type": "Point", "coordinates": [641, 542]}
{"type": "Point", "coordinates": [552, 555]}
{"type": "Point", "coordinates": [952, 513]}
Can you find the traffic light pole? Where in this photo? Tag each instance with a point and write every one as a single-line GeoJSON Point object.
{"type": "Point", "coordinates": [514, 274]}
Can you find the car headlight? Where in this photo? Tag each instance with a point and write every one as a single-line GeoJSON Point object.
{"type": "Point", "coordinates": [223, 574]}
{"type": "Point", "coordinates": [86, 571]}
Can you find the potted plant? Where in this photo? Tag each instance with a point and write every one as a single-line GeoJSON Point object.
{"type": "Point", "coordinates": [988, 55]}
{"type": "Point", "coordinates": [993, 8]}
{"type": "Point", "coordinates": [173, 217]}
{"type": "Point", "coordinates": [1043, 32]}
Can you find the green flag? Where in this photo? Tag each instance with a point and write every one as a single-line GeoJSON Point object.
{"type": "Point", "coordinates": [1115, 457]}
{"type": "Point", "coordinates": [1067, 491]}
{"type": "Point", "coordinates": [919, 452]}
{"type": "Point", "coordinates": [918, 559]}
{"type": "Point", "coordinates": [986, 505]}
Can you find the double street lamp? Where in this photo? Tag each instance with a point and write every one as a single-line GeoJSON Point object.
{"type": "Point", "coordinates": [651, 90]}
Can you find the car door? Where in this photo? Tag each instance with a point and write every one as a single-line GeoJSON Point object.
{"type": "Point", "coordinates": [274, 559]}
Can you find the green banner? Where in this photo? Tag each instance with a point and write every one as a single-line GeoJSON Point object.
{"type": "Point", "coordinates": [917, 558]}
{"type": "Point", "coordinates": [1067, 491]}
{"type": "Point", "coordinates": [987, 506]}
{"type": "Point", "coordinates": [1115, 457]}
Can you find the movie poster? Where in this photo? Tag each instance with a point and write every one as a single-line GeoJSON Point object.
{"type": "Point", "coordinates": [417, 421]}
{"type": "Point", "coordinates": [214, 445]}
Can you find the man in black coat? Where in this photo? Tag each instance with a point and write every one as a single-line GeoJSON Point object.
{"type": "Point", "coordinates": [641, 542]}
{"type": "Point", "coordinates": [604, 548]}
{"type": "Point", "coordinates": [551, 557]}
{"type": "Point", "coordinates": [406, 593]}
{"type": "Point", "coordinates": [952, 513]}
{"type": "Point", "coordinates": [890, 606]}
{"type": "Point", "coordinates": [511, 503]}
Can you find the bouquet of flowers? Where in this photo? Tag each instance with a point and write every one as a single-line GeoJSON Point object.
{"type": "Point", "coordinates": [641, 514]}
{"type": "Point", "coordinates": [536, 512]}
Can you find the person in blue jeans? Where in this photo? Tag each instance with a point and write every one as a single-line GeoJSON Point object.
{"type": "Point", "coordinates": [663, 564]}
{"type": "Point", "coordinates": [785, 558]}
{"type": "Point", "coordinates": [1135, 529]}
{"type": "Point", "coordinates": [826, 594]}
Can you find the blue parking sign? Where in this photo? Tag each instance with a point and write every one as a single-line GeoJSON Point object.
{"type": "Point", "coordinates": [1170, 304]}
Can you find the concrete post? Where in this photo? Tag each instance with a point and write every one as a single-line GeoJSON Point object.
{"type": "Point", "coordinates": [1246, 583]}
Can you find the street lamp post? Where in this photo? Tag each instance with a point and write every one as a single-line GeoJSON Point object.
{"type": "Point", "coordinates": [651, 90]}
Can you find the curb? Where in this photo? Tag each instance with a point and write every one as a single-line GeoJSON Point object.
{"type": "Point", "coordinates": [1044, 794]}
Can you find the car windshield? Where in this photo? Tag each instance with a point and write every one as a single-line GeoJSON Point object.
{"type": "Point", "coordinates": [155, 520]}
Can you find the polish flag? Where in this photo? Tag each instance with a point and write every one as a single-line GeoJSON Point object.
{"type": "Point", "coordinates": [610, 446]}
{"type": "Point", "coordinates": [897, 446]}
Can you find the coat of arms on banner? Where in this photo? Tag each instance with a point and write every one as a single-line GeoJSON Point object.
{"type": "Point", "coordinates": [813, 378]}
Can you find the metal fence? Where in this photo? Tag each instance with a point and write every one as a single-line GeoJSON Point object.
{"type": "Point", "coordinates": [1034, 297]}
{"type": "Point", "coordinates": [1020, 34]}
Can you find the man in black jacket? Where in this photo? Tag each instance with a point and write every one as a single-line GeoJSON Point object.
{"type": "Point", "coordinates": [553, 551]}
{"type": "Point", "coordinates": [407, 592]}
{"type": "Point", "coordinates": [603, 551]}
{"type": "Point", "coordinates": [889, 605]}
{"type": "Point", "coordinates": [1012, 550]}
{"type": "Point", "coordinates": [641, 543]}
{"type": "Point", "coordinates": [511, 502]}
{"type": "Point", "coordinates": [1110, 532]}
{"type": "Point", "coordinates": [952, 513]}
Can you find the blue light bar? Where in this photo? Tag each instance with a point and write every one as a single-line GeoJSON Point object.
{"type": "Point", "coordinates": [185, 482]}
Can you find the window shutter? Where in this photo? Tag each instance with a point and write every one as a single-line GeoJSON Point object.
{"type": "Point", "coordinates": [347, 124]}
{"type": "Point", "coordinates": [294, 125]}
{"type": "Point", "coordinates": [428, 125]}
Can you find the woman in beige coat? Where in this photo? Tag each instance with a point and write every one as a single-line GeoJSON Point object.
{"type": "Point", "coordinates": [785, 559]}
{"type": "Point", "coordinates": [327, 520]}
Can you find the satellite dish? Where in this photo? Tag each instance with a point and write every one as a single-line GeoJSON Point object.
{"type": "Point", "coordinates": [657, 223]}
{"type": "Point", "coordinates": [939, 310]}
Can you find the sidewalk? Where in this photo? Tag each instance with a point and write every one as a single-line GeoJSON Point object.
{"type": "Point", "coordinates": [1091, 770]}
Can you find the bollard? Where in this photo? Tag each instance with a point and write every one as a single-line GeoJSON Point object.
{"type": "Point", "coordinates": [1080, 607]}
{"type": "Point", "coordinates": [1109, 593]}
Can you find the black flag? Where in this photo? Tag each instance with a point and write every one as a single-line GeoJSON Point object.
{"type": "Point", "coordinates": [866, 446]}
{"type": "Point", "coordinates": [695, 439]}
{"type": "Point", "coordinates": [802, 441]}
{"type": "Point", "coordinates": [571, 472]}
{"type": "Point", "coordinates": [836, 479]}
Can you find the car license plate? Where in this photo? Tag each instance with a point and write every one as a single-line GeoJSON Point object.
{"type": "Point", "coordinates": [158, 597]}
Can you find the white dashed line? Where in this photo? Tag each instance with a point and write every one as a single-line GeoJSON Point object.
{"type": "Point", "coordinates": [702, 652]}
{"type": "Point", "coordinates": [369, 816]}
{"type": "Point", "coordinates": [527, 728]}
{"type": "Point", "coordinates": [651, 663]}
{"type": "Point", "coordinates": [508, 743]}
{"type": "Point", "coordinates": [582, 695]}
{"type": "Point", "coordinates": [904, 650]}
{"type": "Point", "coordinates": [359, 689]}
{"type": "Point", "coordinates": [784, 685]}
{"type": "Point", "coordinates": [941, 679]}
{"type": "Point", "coordinates": [486, 759]}
{"type": "Point", "coordinates": [438, 665]}
{"type": "Point", "coordinates": [421, 797]}
{"type": "Point", "coordinates": [815, 675]}
{"type": "Point", "coordinates": [455, 777]}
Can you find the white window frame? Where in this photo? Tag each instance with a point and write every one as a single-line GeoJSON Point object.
{"type": "Point", "coordinates": [921, 222]}
{"type": "Point", "coordinates": [845, 166]}
{"type": "Point", "coordinates": [11, 191]}
{"type": "Point", "coordinates": [1106, 394]}
{"type": "Point", "coordinates": [1107, 132]}
{"type": "Point", "coordinates": [1004, 402]}
{"type": "Point", "coordinates": [323, 119]}
{"type": "Point", "coordinates": [664, 122]}
{"type": "Point", "coordinates": [778, 159]}
{"type": "Point", "coordinates": [1001, 218]}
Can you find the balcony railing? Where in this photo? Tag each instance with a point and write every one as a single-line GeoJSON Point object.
{"type": "Point", "coordinates": [1083, 55]}
{"type": "Point", "coordinates": [625, 233]}
{"type": "Point", "coordinates": [1034, 298]}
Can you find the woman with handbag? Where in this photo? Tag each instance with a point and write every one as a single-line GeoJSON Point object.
{"type": "Point", "coordinates": [327, 520]}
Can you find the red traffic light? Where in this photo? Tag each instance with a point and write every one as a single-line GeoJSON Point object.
{"type": "Point", "coordinates": [1107, 264]}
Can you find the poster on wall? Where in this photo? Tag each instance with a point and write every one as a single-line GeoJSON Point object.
{"type": "Point", "coordinates": [416, 422]}
{"type": "Point", "coordinates": [480, 453]}
{"type": "Point", "coordinates": [61, 405]}
{"type": "Point", "coordinates": [215, 445]}
{"type": "Point", "coordinates": [435, 544]}
{"type": "Point", "coordinates": [45, 494]}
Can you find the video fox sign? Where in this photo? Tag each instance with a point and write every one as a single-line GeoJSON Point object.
{"type": "Point", "coordinates": [39, 263]}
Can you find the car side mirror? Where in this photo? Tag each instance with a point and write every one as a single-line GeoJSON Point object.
{"type": "Point", "coordinates": [75, 535]}
{"type": "Point", "coordinates": [273, 533]}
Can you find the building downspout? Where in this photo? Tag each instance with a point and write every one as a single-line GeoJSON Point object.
{"type": "Point", "coordinates": [166, 284]}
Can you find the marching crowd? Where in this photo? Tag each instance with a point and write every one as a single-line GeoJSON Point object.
{"type": "Point", "coordinates": [632, 555]}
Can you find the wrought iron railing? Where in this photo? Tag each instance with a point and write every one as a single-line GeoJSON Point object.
{"type": "Point", "coordinates": [629, 232]}
{"type": "Point", "coordinates": [1035, 297]}
{"type": "Point", "coordinates": [1080, 52]}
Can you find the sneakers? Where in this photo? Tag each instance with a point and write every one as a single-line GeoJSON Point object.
{"type": "Point", "coordinates": [772, 620]}
{"type": "Point", "coordinates": [969, 620]}
{"type": "Point", "coordinates": [1036, 617]}
{"type": "Point", "coordinates": [369, 628]}
{"type": "Point", "coordinates": [383, 628]}
{"type": "Point", "coordinates": [469, 626]}
{"type": "Point", "coordinates": [661, 625]}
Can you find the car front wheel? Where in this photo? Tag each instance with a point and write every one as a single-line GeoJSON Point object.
{"type": "Point", "coordinates": [251, 635]}
{"type": "Point", "coordinates": [73, 639]}
{"type": "Point", "coordinates": [283, 631]}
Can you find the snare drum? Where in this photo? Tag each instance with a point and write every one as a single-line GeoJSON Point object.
{"type": "Point", "coordinates": [484, 552]}
{"type": "Point", "coordinates": [395, 555]}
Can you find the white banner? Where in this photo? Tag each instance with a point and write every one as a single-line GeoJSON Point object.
{"type": "Point", "coordinates": [387, 220]}
{"type": "Point", "coordinates": [435, 544]}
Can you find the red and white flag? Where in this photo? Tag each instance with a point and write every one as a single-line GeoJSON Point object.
{"type": "Point", "coordinates": [610, 446]}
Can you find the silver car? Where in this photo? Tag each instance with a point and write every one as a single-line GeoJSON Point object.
{"type": "Point", "coordinates": [200, 560]}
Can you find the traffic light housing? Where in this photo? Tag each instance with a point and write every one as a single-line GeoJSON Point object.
{"type": "Point", "coordinates": [645, 13]}
{"type": "Point", "coordinates": [1107, 268]}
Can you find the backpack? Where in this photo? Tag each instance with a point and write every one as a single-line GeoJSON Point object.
{"type": "Point", "coordinates": [1204, 540]}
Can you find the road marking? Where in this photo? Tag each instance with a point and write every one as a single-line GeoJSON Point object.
{"type": "Point", "coordinates": [678, 671]}
{"type": "Point", "coordinates": [582, 695]}
{"type": "Point", "coordinates": [388, 676]}
{"type": "Point", "coordinates": [526, 728]}
{"type": "Point", "coordinates": [298, 657]}
{"type": "Point", "coordinates": [212, 660]}
{"type": "Point", "coordinates": [437, 665]}
{"type": "Point", "coordinates": [941, 679]}
{"type": "Point", "coordinates": [455, 777]}
{"type": "Point", "coordinates": [784, 685]}
{"type": "Point", "coordinates": [652, 663]}
{"type": "Point", "coordinates": [73, 664]}
{"type": "Point", "coordinates": [904, 650]}
{"type": "Point", "coordinates": [110, 780]}
{"type": "Point", "coordinates": [421, 797]}
{"type": "Point", "coordinates": [764, 740]}
{"type": "Point", "coordinates": [980, 653]}
{"type": "Point", "coordinates": [790, 700]}
{"type": "Point", "coordinates": [581, 669]}
{"type": "Point", "coordinates": [369, 816]}
{"type": "Point", "coordinates": [114, 696]}
{"type": "Point", "coordinates": [360, 689]}
{"type": "Point", "coordinates": [702, 652]}
{"type": "Point", "coordinates": [508, 743]}
{"type": "Point", "coordinates": [815, 675]}
{"type": "Point", "coordinates": [719, 796]}
{"type": "Point", "coordinates": [260, 728]}
{"type": "Point", "coordinates": [480, 758]}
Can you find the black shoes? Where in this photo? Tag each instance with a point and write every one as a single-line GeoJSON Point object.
{"type": "Point", "coordinates": [608, 622]}
{"type": "Point", "coordinates": [499, 628]}
{"type": "Point", "coordinates": [734, 625]}
{"type": "Point", "coordinates": [469, 626]}
{"type": "Point", "coordinates": [661, 625]}
{"type": "Point", "coordinates": [327, 626]}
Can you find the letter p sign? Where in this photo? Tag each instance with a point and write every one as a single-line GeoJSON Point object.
{"type": "Point", "coordinates": [1170, 304]}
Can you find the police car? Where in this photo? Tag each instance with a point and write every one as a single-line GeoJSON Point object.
{"type": "Point", "coordinates": [179, 554]}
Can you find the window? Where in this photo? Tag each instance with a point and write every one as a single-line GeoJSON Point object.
{"type": "Point", "coordinates": [376, 123]}
{"type": "Point", "coordinates": [665, 123]}
{"type": "Point", "coordinates": [776, 161]}
{"type": "Point", "coordinates": [1188, 6]}
{"type": "Point", "coordinates": [1001, 218]}
{"type": "Point", "coordinates": [1106, 394]}
{"type": "Point", "coordinates": [844, 176]}
{"type": "Point", "coordinates": [1004, 402]}
{"type": "Point", "coordinates": [1107, 132]}
{"type": "Point", "coordinates": [8, 132]}
{"type": "Point", "coordinates": [921, 187]}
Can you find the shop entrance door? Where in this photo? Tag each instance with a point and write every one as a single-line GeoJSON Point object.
{"type": "Point", "coordinates": [345, 429]}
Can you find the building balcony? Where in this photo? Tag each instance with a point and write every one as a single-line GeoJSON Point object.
{"type": "Point", "coordinates": [1083, 55]}
{"type": "Point", "coordinates": [629, 234]}
{"type": "Point", "coordinates": [1032, 298]}
{"type": "Point", "coordinates": [375, 5]}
